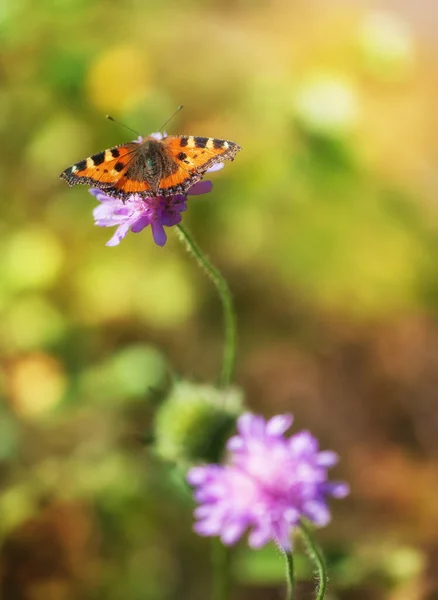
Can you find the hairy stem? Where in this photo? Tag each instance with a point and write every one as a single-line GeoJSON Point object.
{"type": "Point", "coordinates": [290, 577]}
{"type": "Point", "coordinates": [316, 555]}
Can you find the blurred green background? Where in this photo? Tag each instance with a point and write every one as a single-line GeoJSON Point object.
{"type": "Point", "coordinates": [326, 228]}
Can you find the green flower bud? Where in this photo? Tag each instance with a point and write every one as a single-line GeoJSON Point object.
{"type": "Point", "coordinates": [195, 421]}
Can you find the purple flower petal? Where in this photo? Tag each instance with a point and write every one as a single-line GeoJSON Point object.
{"type": "Point", "coordinates": [197, 475]}
{"type": "Point", "coordinates": [119, 234]}
{"type": "Point", "coordinates": [249, 425]}
{"type": "Point", "coordinates": [158, 135]}
{"type": "Point", "coordinates": [201, 187]}
{"type": "Point", "coordinates": [140, 224]}
{"type": "Point", "coordinates": [158, 232]}
{"type": "Point", "coordinates": [279, 425]}
{"type": "Point", "coordinates": [317, 512]}
{"type": "Point", "coordinates": [282, 533]}
{"type": "Point", "coordinates": [328, 459]}
{"type": "Point", "coordinates": [105, 218]}
{"type": "Point", "coordinates": [337, 489]}
{"type": "Point", "coordinates": [303, 443]}
{"type": "Point", "coordinates": [101, 196]}
{"type": "Point", "coordinates": [235, 444]}
{"type": "Point", "coordinates": [202, 512]}
{"type": "Point", "coordinates": [260, 536]}
{"type": "Point", "coordinates": [231, 532]}
{"type": "Point", "coordinates": [215, 167]}
{"type": "Point", "coordinates": [206, 528]}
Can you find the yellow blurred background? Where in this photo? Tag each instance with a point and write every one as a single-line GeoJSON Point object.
{"type": "Point", "coordinates": [326, 227]}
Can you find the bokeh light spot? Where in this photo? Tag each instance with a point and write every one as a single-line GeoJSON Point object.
{"type": "Point", "coordinates": [32, 259]}
{"type": "Point", "coordinates": [117, 77]}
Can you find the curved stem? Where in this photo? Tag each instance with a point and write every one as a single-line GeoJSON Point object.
{"type": "Point", "coordinates": [227, 305]}
{"type": "Point", "coordinates": [317, 557]}
{"type": "Point", "coordinates": [290, 578]}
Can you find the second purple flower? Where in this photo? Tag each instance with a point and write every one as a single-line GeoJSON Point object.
{"type": "Point", "coordinates": [269, 483]}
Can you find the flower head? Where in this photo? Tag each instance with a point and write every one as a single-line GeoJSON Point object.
{"type": "Point", "coordinates": [269, 483]}
{"type": "Point", "coordinates": [136, 212]}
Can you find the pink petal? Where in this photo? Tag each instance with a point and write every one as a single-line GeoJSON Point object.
{"type": "Point", "coordinates": [140, 224]}
{"type": "Point", "coordinates": [235, 443]}
{"type": "Point", "coordinates": [119, 234]}
{"type": "Point", "coordinates": [327, 459]}
{"type": "Point", "coordinates": [216, 167]}
{"type": "Point", "coordinates": [158, 233]}
{"type": "Point", "coordinates": [231, 532]}
{"type": "Point", "coordinates": [260, 536]}
{"type": "Point", "coordinates": [201, 187]}
{"type": "Point", "coordinates": [339, 489]}
{"type": "Point", "coordinates": [303, 443]}
{"type": "Point", "coordinates": [279, 424]}
{"type": "Point", "coordinates": [197, 475]}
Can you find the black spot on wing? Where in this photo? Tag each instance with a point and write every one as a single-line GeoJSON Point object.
{"type": "Point", "coordinates": [98, 159]}
{"type": "Point", "coordinates": [200, 142]}
{"type": "Point", "coordinates": [183, 141]}
{"type": "Point", "coordinates": [115, 153]}
{"type": "Point", "coordinates": [119, 166]}
{"type": "Point", "coordinates": [181, 156]}
{"type": "Point", "coordinates": [81, 165]}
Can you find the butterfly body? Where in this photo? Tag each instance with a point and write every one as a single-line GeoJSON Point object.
{"type": "Point", "coordinates": [151, 167]}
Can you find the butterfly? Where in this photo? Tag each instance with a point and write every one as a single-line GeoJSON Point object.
{"type": "Point", "coordinates": [151, 167]}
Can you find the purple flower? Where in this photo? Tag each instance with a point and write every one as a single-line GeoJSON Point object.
{"type": "Point", "coordinates": [136, 212]}
{"type": "Point", "coordinates": [269, 483]}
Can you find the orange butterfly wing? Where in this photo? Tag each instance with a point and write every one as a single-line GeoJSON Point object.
{"type": "Point", "coordinates": [194, 156]}
{"type": "Point", "coordinates": [185, 159]}
{"type": "Point", "coordinates": [107, 169]}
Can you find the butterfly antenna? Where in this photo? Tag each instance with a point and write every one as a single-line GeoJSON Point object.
{"type": "Point", "coordinates": [171, 117]}
{"type": "Point", "coordinates": [122, 125]}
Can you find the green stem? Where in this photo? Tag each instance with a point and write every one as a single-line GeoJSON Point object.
{"type": "Point", "coordinates": [316, 555]}
{"type": "Point", "coordinates": [227, 305]}
{"type": "Point", "coordinates": [221, 571]}
{"type": "Point", "coordinates": [290, 578]}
